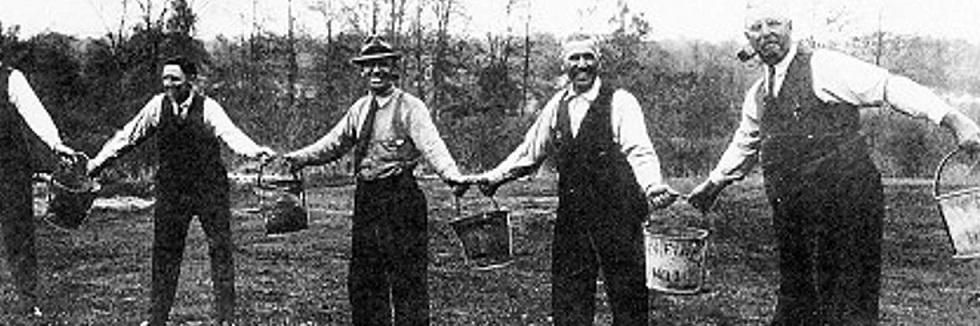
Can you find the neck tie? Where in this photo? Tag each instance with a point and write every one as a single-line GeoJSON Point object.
{"type": "Point", "coordinates": [771, 82]}
{"type": "Point", "coordinates": [364, 136]}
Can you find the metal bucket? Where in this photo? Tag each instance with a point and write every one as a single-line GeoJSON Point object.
{"type": "Point", "coordinates": [282, 203]}
{"type": "Point", "coordinates": [675, 259]}
{"type": "Point", "coordinates": [960, 210]}
{"type": "Point", "coordinates": [486, 237]}
{"type": "Point", "coordinates": [72, 194]}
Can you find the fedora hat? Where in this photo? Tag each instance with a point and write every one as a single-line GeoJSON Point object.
{"type": "Point", "coordinates": [375, 48]}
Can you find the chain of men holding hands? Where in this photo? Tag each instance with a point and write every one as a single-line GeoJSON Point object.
{"type": "Point", "coordinates": [799, 122]}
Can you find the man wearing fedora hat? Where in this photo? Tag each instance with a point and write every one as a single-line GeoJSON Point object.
{"type": "Point", "coordinates": [609, 178]}
{"type": "Point", "coordinates": [190, 180]}
{"type": "Point", "coordinates": [21, 110]}
{"type": "Point", "coordinates": [389, 132]}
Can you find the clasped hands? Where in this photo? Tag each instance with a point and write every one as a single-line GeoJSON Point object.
{"type": "Point", "coordinates": [488, 185]}
{"type": "Point", "coordinates": [657, 197]}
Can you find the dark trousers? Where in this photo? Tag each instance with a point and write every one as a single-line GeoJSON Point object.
{"type": "Point", "coordinates": [170, 224]}
{"type": "Point", "coordinates": [17, 221]}
{"type": "Point", "coordinates": [829, 235]}
{"type": "Point", "coordinates": [585, 242]}
{"type": "Point", "coordinates": [387, 279]}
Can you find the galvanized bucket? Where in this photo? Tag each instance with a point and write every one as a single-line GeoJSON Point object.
{"type": "Point", "coordinates": [675, 259]}
{"type": "Point", "coordinates": [486, 237]}
{"type": "Point", "coordinates": [960, 210]}
{"type": "Point", "coordinates": [282, 203]}
{"type": "Point", "coordinates": [72, 194]}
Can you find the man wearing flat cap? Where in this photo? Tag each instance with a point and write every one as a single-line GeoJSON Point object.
{"type": "Point", "coordinates": [801, 122]}
{"type": "Point", "coordinates": [389, 132]}
{"type": "Point", "coordinates": [609, 179]}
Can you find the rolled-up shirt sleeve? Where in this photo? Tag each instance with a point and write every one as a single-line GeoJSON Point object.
{"type": "Point", "coordinates": [30, 108]}
{"type": "Point", "coordinates": [741, 155]}
{"type": "Point", "coordinates": [238, 141]}
{"type": "Point", "coordinates": [631, 132]}
{"type": "Point", "coordinates": [336, 142]}
{"type": "Point", "coordinates": [538, 143]}
{"type": "Point", "coordinates": [426, 137]}
{"type": "Point", "coordinates": [841, 78]}
{"type": "Point", "coordinates": [135, 131]}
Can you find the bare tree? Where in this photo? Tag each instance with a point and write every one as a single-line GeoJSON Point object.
{"type": "Point", "coordinates": [444, 10]}
{"type": "Point", "coordinates": [326, 8]}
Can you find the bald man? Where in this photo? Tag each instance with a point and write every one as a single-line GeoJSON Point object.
{"type": "Point", "coordinates": [802, 121]}
{"type": "Point", "coordinates": [609, 178]}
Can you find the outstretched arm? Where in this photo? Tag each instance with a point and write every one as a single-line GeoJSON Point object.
{"type": "Point", "coordinates": [134, 132]}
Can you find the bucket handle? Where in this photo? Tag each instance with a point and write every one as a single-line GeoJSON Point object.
{"type": "Point", "coordinates": [459, 211]}
{"type": "Point", "coordinates": [297, 175]}
{"type": "Point", "coordinates": [939, 169]}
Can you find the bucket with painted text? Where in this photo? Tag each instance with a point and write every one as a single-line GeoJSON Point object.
{"type": "Point", "coordinates": [675, 259]}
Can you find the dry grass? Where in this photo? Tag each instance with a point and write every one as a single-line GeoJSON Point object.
{"type": "Point", "coordinates": [99, 275]}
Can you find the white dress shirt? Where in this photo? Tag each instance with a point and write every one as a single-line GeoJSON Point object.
{"type": "Point", "coordinates": [629, 131]}
{"type": "Point", "coordinates": [837, 78]}
{"type": "Point", "coordinates": [148, 119]}
{"type": "Point", "coordinates": [30, 108]}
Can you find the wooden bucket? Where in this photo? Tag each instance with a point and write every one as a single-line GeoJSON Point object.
{"type": "Point", "coordinates": [486, 237]}
{"type": "Point", "coordinates": [282, 203]}
{"type": "Point", "coordinates": [72, 193]}
{"type": "Point", "coordinates": [960, 210]}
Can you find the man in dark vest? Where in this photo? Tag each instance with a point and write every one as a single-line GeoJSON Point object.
{"type": "Point", "coordinates": [802, 122]}
{"type": "Point", "coordinates": [21, 110]}
{"type": "Point", "coordinates": [191, 180]}
{"type": "Point", "coordinates": [389, 132]}
{"type": "Point", "coordinates": [609, 178]}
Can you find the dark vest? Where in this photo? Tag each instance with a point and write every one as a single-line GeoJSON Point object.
{"type": "Point", "coordinates": [805, 137]}
{"type": "Point", "coordinates": [13, 145]}
{"type": "Point", "coordinates": [189, 153]}
{"type": "Point", "coordinates": [595, 179]}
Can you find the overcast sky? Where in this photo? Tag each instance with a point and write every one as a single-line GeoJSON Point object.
{"type": "Point", "coordinates": [710, 20]}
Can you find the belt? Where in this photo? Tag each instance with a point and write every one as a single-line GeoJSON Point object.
{"type": "Point", "coordinates": [398, 180]}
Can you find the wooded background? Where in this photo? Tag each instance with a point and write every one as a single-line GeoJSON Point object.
{"type": "Point", "coordinates": [288, 89]}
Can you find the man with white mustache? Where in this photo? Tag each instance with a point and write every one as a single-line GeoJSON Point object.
{"type": "Point", "coordinates": [801, 122]}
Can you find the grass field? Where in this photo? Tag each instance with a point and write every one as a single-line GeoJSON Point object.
{"type": "Point", "coordinates": [99, 275]}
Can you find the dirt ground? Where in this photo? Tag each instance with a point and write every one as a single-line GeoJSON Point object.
{"type": "Point", "coordinates": [99, 274]}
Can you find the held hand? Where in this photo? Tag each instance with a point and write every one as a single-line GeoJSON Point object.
{"type": "Point", "coordinates": [704, 195]}
{"type": "Point", "coordinates": [293, 163]}
{"type": "Point", "coordinates": [266, 156]}
{"type": "Point", "coordinates": [489, 187]}
{"type": "Point", "coordinates": [662, 198]}
{"type": "Point", "coordinates": [92, 168]}
{"type": "Point", "coordinates": [971, 144]}
{"type": "Point", "coordinates": [65, 153]}
{"type": "Point", "coordinates": [966, 131]}
{"type": "Point", "coordinates": [461, 184]}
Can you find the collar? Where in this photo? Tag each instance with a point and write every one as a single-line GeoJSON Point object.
{"type": "Point", "coordinates": [187, 102]}
{"type": "Point", "coordinates": [589, 95]}
{"type": "Point", "coordinates": [383, 100]}
{"type": "Point", "coordinates": [783, 65]}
